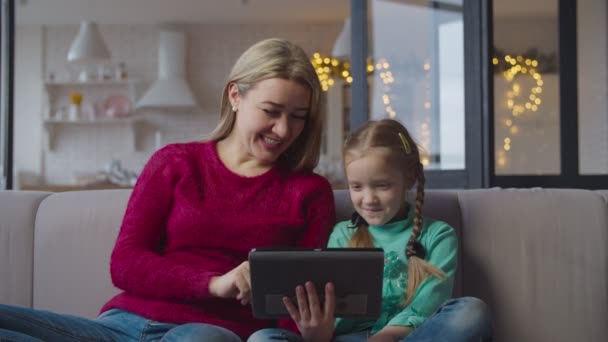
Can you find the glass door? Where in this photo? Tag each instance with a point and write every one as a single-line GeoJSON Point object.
{"type": "Point", "coordinates": [424, 66]}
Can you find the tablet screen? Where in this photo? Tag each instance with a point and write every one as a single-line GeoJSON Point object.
{"type": "Point", "coordinates": [355, 272]}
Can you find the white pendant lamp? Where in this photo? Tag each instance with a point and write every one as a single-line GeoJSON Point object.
{"type": "Point", "coordinates": [88, 46]}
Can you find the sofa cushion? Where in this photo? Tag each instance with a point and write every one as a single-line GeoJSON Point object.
{"type": "Point", "coordinates": [17, 213]}
{"type": "Point", "coordinates": [75, 234]}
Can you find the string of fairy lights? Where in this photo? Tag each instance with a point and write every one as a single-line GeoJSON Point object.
{"type": "Point", "coordinates": [518, 101]}
{"type": "Point", "coordinates": [328, 69]}
{"type": "Point", "coordinates": [386, 75]}
{"type": "Point", "coordinates": [425, 125]}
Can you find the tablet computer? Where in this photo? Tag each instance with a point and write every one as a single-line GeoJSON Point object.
{"type": "Point", "coordinates": [355, 272]}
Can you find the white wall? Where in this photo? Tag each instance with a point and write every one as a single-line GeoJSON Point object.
{"type": "Point", "coordinates": [212, 49]}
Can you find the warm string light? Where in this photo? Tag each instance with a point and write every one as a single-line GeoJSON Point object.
{"type": "Point", "coordinates": [383, 67]}
{"type": "Point", "coordinates": [425, 126]}
{"type": "Point", "coordinates": [329, 68]}
{"type": "Point", "coordinates": [386, 75]}
{"type": "Point", "coordinates": [515, 67]}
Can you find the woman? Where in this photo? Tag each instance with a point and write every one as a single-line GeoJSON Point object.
{"type": "Point", "coordinates": [198, 209]}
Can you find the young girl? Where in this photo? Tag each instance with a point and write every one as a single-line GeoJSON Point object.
{"type": "Point", "coordinates": [382, 164]}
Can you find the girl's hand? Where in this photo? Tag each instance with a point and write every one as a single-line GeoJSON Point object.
{"type": "Point", "coordinates": [234, 284]}
{"type": "Point", "coordinates": [315, 323]}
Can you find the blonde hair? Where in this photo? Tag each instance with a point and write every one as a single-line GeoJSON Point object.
{"type": "Point", "coordinates": [277, 58]}
{"type": "Point", "coordinates": [404, 153]}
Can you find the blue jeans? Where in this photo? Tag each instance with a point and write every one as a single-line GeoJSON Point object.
{"type": "Point", "coordinates": [464, 319]}
{"type": "Point", "coordinates": [19, 324]}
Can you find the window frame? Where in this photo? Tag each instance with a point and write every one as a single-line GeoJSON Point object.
{"type": "Point", "coordinates": [7, 70]}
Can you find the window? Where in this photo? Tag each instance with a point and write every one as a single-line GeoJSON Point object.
{"type": "Point", "coordinates": [526, 89]}
{"type": "Point", "coordinates": [563, 142]}
{"type": "Point", "coordinates": [424, 64]}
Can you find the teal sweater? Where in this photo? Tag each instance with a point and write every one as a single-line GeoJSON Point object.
{"type": "Point", "coordinates": [440, 243]}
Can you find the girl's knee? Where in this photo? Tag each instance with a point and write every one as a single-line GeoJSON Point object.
{"type": "Point", "coordinates": [475, 306]}
{"type": "Point", "coordinates": [474, 315]}
{"type": "Point", "coordinates": [277, 335]}
{"type": "Point", "coordinates": [261, 335]}
{"type": "Point", "coordinates": [200, 332]}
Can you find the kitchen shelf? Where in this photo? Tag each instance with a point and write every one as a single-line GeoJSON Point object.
{"type": "Point", "coordinates": [51, 125]}
{"type": "Point", "coordinates": [94, 93]}
{"type": "Point", "coordinates": [118, 120]}
{"type": "Point", "coordinates": [89, 83]}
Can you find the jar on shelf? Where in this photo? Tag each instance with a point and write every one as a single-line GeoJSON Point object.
{"type": "Point", "coordinates": [121, 71]}
{"type": "Point", "coordinates": [103, 74]}
{"type": "Point", "coordinates": [75, 101]}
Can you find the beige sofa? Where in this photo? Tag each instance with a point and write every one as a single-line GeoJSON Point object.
{"type": "Point", "coordinates": [538, 257]}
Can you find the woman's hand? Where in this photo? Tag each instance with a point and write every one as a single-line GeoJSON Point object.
{"type": "Point", "coordinates": [234, 284]}
{"type": "Point", "coordinates": [315, 323]}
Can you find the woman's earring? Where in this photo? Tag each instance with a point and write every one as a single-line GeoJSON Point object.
{"type": "Point", "coordinates": [234, 109]}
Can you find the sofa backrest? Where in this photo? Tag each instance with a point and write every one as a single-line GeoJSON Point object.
{"type": "Point", "coordinates": [75, 234]}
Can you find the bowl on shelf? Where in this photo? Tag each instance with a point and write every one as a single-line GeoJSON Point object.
{"type": "Point", "coordinates": [117, 106]}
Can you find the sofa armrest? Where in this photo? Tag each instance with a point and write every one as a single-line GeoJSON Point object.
{"type": "Point", "coordinates": [17, 217]}
{"type": "Point", "coordinates": [538, 257]}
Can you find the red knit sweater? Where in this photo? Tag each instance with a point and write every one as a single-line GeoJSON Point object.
{"type": "Point", "coordinates": [190, 218]}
